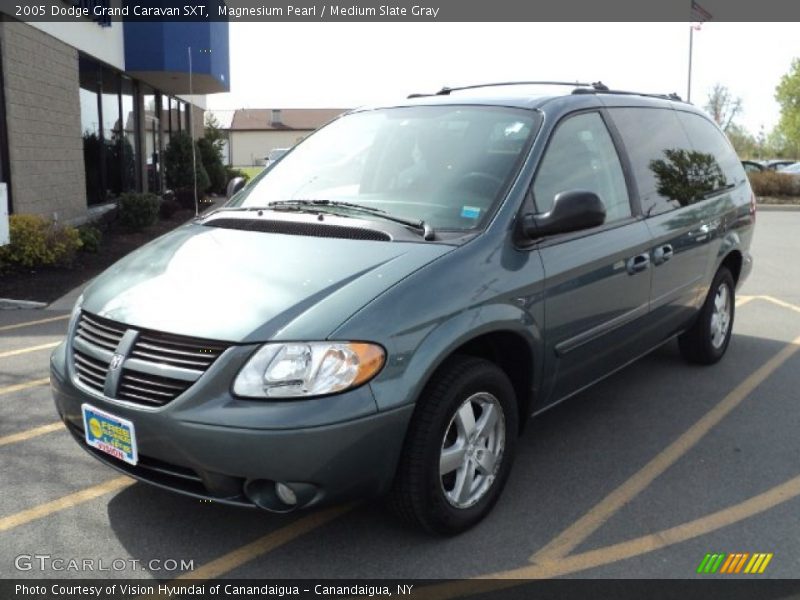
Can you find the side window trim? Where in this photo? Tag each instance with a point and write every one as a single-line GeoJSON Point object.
{"type": "Point", "coordinates": [622, 158]}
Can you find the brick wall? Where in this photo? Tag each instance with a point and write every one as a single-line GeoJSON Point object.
{"type": "Point", "coordinates": [43, 117]}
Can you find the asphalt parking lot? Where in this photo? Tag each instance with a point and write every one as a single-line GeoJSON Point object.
{"type": "Point", "coordinates": [641, 476]}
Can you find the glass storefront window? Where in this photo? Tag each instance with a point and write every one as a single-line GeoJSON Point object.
{"type": "Point", "coordinates": [112, 131]}
{"type": "Point", "coordinates": [152, 139]}
{"type": "Point", "coordinates": [93, 156]}
{"type": "Point", "coordinates": [129, 135]}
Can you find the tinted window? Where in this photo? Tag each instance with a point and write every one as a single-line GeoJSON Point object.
{"type": "Point", "coordinates": [705, 137]}
{"type": "Point", "coordinates": [670, 172]}
{"type": "Point", "coordinates": [582, 156]}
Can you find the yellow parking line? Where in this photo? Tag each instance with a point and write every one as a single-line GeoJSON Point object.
{"type": "Point", "coordinates": [616, 552]}
{"type": "Point", "coordinates": [782, 303]}
{"type": "Point", "coordinates": [28, 349]}
{"type": "Point", "coordinates": [275, 539]}
{"type": "Point", "coordinates": [742, 300]}
{"type": "Point", "coordinates": [48, 508]}
{"type": "Point", "coordinates": [24, 386]}
{"type": "Point", "coordinates": [581, 529]}
{"type": "Point", "coordinates": [37, 322]}
{"type": "Point", "coordinates": [271, 541]}
{"type": "Point", "coordinates": [30, 433]}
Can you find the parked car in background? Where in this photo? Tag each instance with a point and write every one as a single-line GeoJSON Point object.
{"type": "Point", "coordinates": [384, 309]}
{"type": "Point", "coordinates": [274, 156]}
{"type": "Point", "coordinates": [792, 169]}
{"type": "Point", "coordinates": [778, 163]}
{"type": "Point", "coordinates": [751, 166]}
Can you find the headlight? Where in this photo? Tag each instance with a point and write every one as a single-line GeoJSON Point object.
{"type": "Point", "coordinates": [302, 369]}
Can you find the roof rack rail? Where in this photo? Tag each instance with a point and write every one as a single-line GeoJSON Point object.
{"type": "Point", "coordinates": [445, 91]}
{"type": "Point", "coordinates": [671, 96]}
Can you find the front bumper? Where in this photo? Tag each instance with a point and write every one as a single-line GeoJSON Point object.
{"type": "Point", "coordinates": [209, 444]}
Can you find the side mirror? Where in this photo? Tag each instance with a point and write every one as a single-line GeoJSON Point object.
{"type": "Point", "coordinates": [234, 185]}
{"type": "Point", "coordinates": [572, 211]}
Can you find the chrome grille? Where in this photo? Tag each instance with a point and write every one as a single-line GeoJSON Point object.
{"type": "Point", "coordinates": [155, 370]}
{"type": "Point", "coordinates": [90, 371]}
{"type": "Point", "coordinates": [150, 389]}
{"type": "Point", "coordinates": [178, 351]}
{"type": "Point", "coordinates": [100, 332]}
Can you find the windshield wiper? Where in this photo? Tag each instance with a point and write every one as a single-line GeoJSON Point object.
{"type": "Point", "coordinates": [426, 230]}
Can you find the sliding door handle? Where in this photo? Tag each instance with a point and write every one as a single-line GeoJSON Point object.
{"type": "Point", "coordinates": [638, 263]}
{"type": "Point", "coordinates": [662, 254]}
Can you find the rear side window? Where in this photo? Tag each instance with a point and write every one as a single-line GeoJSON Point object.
{"type": "Point", "coordinates": [581, 156]}
{"type": "Point", "coordinates": [670, 170]}
{"type": "Point", "coordinates": [706, 138]}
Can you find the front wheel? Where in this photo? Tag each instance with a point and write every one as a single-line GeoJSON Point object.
{"type": "Point", "coordinates": [707, 340]}
{"type": "Point", "coordinates": [459, 447]}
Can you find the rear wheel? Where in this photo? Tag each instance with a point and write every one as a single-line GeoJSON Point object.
{"type": "Point", "coordinates": [459, 447]}
{"type": "Point", "coordinates": [707, 340]}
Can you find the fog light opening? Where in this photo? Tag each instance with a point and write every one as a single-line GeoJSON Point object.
{"type": "Point", "coordinates": [285, 494]}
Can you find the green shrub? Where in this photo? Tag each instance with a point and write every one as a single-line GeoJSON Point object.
{"type": "Point", "coordinates": [91, 237]}
{"type": "Point", "coordinates": [212, 163]}
{"type": "Point", "coordinates": [137, 211]}
{"type": "Point", "coordinates": [774, 183]}
{"type": "Point", "coordinates": [36, 242]}
{"type": "Point", "coordinates": [232, 173]}
{"type": "Point", "coordinates": [178, 166]}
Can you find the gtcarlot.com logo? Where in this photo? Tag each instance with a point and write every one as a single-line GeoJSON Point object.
{"type": "Point", "coordinates": [47, 562]}
{"type": "Point", "coordinates": [744, 563]}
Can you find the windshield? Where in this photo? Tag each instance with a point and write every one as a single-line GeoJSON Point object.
{"type": "Point", "coordinates": [444, 165]}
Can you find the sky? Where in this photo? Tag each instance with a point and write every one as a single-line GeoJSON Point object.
{"type": "Point", "coordinates": [344, 65]}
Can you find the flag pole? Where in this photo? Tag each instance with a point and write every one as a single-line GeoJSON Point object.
{"type": "Point", "coordinates": [689, 82]}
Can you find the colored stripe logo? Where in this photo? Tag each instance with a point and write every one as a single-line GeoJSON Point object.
{"type": "Point", "coordinates": [735, 563]}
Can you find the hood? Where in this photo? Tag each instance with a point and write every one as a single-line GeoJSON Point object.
{"type": "Point", "coordinates": [247, 286]}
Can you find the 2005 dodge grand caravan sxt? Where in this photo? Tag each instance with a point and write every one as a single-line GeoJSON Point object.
{"type": "Point", "coordinates": [383, 309]}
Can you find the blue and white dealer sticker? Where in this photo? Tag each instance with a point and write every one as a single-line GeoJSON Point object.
{"type": "Point", "coordinates": [110, 434]}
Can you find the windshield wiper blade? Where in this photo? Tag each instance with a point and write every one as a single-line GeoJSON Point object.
{"type": "Point", "coordinates": [426, 230]}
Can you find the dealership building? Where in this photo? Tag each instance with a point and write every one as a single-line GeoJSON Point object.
{"type": "Point", "coordinates": [87, 107]}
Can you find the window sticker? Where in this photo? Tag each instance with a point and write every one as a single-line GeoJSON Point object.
{"type": "Point", "coordinates": [470, 212]}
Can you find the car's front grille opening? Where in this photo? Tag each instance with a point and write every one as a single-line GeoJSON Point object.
{"type": "Point", "coordinates": [150, 389]}
{"type": "Point", "coordinates": [157, 369]}
{"type": "Point", "coordinates": [178, 351]}
{"type": "Point", "coordinates": [99, 332]}
{"type": "Point", "coordinates": [301, 228]}
{"type": "Point", "coordinates": [90, 371]}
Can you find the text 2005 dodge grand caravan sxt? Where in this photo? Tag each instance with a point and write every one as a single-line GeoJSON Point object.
{"type": "Point", "coordinates": [382, 309]}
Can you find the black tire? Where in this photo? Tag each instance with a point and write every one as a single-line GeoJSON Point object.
{"type": "Point", "coordinates": [418, 494]}
{"type": "Point", "coordinates": [697, 344]}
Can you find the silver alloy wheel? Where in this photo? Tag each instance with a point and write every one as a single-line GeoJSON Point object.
{"type": "Point", "coordinates": [721, 316]}
{"type": "Point", "coordinates": [472, 450]}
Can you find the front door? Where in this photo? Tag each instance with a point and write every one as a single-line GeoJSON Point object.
{"type": "Point", "coordinates": [597, 282]}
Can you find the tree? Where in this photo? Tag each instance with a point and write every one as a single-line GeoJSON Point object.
{"type": "Point", "coordinates": [723, 106]}
{"type": "Point", "coordinates": [178, 165]}
{"type": "Point", "coordinates": [743, 142]}
{"type": "Point", "coordinates": [788, 96]}
{"type": "Point", "coordinates": [215, 135]}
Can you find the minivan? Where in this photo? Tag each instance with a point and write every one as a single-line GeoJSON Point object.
{"type": "Point", "coordinates": [382, 311]}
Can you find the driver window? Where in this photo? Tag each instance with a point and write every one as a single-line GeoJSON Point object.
{"type": "Point", "coordinates": [581, 156]}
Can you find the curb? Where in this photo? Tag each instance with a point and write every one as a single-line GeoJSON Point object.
{"type": "Point", "coordinates": [10, 304]}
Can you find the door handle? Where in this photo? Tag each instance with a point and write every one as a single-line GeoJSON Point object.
{"type": "Point", "coordinates": [638, 263]}
{"type": "Point", "coordinates": [662, 254]}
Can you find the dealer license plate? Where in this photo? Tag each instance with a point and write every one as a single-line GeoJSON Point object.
{"type": "Point", "coordinates": [110, 434]}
